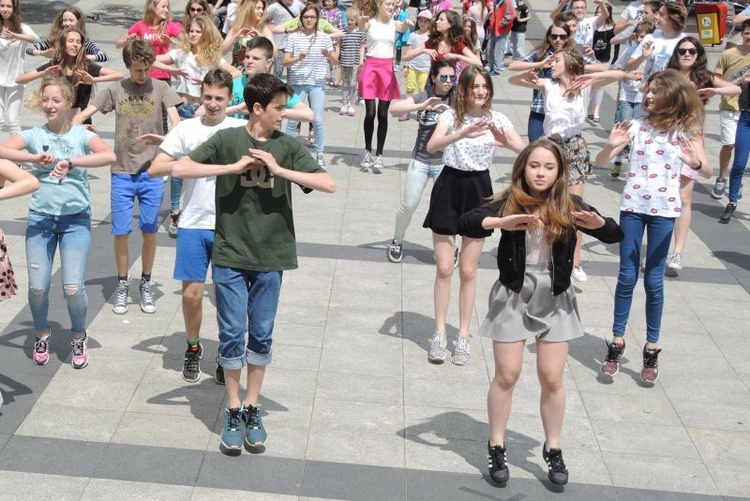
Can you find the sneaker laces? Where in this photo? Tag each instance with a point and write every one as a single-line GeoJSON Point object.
{"type": "Point", "coordinates": [555, 460]}
{"type": "Point", "coordinates": [651, 358]}
{"type": "Point", "coordinates": [614, 351]}
{"type": "Point", "coordinates": [437, 341]}
{"type": "Point", "coordinates": [462, 345]}
{"type": "Point", "coordinates": [233, 423]}
{"type": "Point", "coordinates": [78, 346]}
{"type": "Point", "coordinates": [192, 361]}
{"type": "Point", "coordinates": [122, 291]}
{"type": "Point", "coordinates": [146, 293]}
{"type": "Point", "coordinates": [496, 457]}
{"type": "Point", "coordinates": [253, 417]}
{"type": "Point", "coordinates": [40, 346]}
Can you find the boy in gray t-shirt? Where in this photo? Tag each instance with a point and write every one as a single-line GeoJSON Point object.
{"type": "Point", "coordinates": [137, 102]}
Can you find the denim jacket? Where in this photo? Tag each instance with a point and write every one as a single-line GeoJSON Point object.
{"type": "Point", "coordinates": [511, 251]}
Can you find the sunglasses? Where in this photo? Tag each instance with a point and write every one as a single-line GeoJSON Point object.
{"type": "Point", "coordinates": [552, 36]}
{"type": "Point", "coordinates": [445, 78]}
{"type": "Point", "coordinates": [692, 52]}
{"type": "Point", "coordinates": [199, 9]}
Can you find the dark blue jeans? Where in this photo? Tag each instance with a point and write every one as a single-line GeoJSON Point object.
{"type": "Point", "coordinates": [659, 231]}
{"type": "Point", "coordinates": [536, 125]}
{"type": "Point", "coordinates": [741, 153]}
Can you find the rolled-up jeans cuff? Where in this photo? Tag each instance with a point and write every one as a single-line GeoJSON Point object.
{"type": "Point", "coordinates": [261, 360]}
{"type": "Point", "coordinates": [232, 364]}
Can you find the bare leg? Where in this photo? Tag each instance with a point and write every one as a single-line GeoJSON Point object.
{"type": "Point", "coordinates": [148, 253]}
{"type": "Point", "coordinates": [550, 363]}
{"type": "Point", "coordinates": [471, 250]}
{"type": "Point", "coordinates": [192, 308]}
{"type": "Point", "coordinates": [255, 374]}
{"type": "Point", "coordinates": [577, 189]}
{"type": "Point", "coordinates": [232, 387]}
{"type": "Point", "coordinates": [122, 256]}
{"type": "Point", "coordinates": [725, 156]}
{"type": "Point", "coordinates": [508, 363]}
{"type": "Point", "coordinates": [443, 245]}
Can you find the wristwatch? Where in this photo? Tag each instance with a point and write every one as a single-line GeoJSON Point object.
{"type": "Point", "coordinates": [698, 167]}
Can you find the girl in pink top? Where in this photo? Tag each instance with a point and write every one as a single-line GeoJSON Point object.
{"type": "Point", "coordinates": [157, 28]}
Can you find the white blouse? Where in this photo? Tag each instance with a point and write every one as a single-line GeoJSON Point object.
{"type": "Point", "coordinates": [471, 154]}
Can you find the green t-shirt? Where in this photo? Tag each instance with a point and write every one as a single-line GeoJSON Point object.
{"type": "Point", "coordinates": [254, 223]}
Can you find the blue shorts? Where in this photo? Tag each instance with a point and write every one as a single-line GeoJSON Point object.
{"type": "Point", "coordinates": [125, 189]}
{"type": "Point", "coordinates": [194, 248]}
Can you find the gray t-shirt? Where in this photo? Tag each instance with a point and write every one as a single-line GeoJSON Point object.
{"type": "Point", "coordinates": [427, 120]}
{"type": "Point", "coordinates": [137, 111]}
{"type": "Point", "coordinates": [278, 14]}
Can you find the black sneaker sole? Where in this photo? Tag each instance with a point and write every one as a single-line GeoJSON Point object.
{"type": "Point", "coordinates": [671, 272]}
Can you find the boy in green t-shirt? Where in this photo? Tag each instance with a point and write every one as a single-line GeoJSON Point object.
{"type": "Point", "coordinates": [255, 166]}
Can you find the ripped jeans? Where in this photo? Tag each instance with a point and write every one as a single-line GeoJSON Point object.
{"type": "Point", "coordinates": [44, 233]}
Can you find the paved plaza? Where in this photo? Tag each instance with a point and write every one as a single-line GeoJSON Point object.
{"type": "Point", "coordinates": [353, 409]}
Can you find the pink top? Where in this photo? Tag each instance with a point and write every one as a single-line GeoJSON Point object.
{"type": "Point", "coordinates": [159, 43]}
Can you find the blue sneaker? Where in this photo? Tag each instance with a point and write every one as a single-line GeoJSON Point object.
{"type": "Point", "coordinates": [231, 434]}
{"type": "Point", "coordinates": [255, 433]}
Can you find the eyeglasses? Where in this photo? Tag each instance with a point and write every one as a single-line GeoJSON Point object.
{"type": "Point", "coordinates": [198, 9]}
{"type": "Point", "coordinates": [553, 36]}
{"type": "Point", "coordinates": [692, 52]}
{"type": "Point", "coordinates": [309, 17]}
{"type": "Point", "coordinates": [445, 78]}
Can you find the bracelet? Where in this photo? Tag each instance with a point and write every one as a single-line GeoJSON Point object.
{"type": "Point", "coordinates": [70, 164]}
{"type": "Point", "coordinates": [699, 166]}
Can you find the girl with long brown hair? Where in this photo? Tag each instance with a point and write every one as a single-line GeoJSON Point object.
{"type": "Point", "coordinates": [467, 134]}
{"type": "Point", "coordinates": [69, 17]}
{"type": "Point", "coordinates": [533, 297]}
{"type": "Point", "coordinates": [668, 139]}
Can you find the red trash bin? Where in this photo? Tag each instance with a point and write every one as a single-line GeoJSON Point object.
{"type": "Point", "coordinates": [712, 22]}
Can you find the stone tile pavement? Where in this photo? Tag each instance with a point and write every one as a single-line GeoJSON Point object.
{"type": "Point", "coordinates": [353, 409]}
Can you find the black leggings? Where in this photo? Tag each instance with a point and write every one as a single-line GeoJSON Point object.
{"type": "Point", "coordinates": [370, 124]}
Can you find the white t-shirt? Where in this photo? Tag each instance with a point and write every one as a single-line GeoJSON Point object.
{"type": "Point", "coordinates": [471, 154]}
{"type": "Point", "coordinates": [199, 205]}
{"type": "Point", "coordinates": [186, 61]}
{"type": "Point", "coordinates": [585, 34]}
{"type": "Point", "coordinates": [634, 10]}
{"type": "Point", "coordinates": [653, 184]}
{"type": "Point", "coordinates": [630, 90]}
{"type": "Point", "coordinates": [381, 39]}
{"type": "Point", "coordinates": [11, 57]}
{"type": "Point", "coordinates": [564, 116]}
{"type": "Point", "coordinates": [663, 48]}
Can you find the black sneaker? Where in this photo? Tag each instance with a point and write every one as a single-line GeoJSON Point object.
{"type": "Point", "coordinates": [395, 252]}
{"type": "Point", "coordinates": [650, 371]}
{"type": "Point", "coordinates": [191, 367]}
{"type": "Point", "coordinates": [497, 463]}
{"type": "Point", "coordinates": [219, 372]}
{"type": "Point", "coordinates": [611, 365]}
{"type": "Point", "coordinates": [558, 473]}
{"type": "Point", "coordinates": [727, 213]}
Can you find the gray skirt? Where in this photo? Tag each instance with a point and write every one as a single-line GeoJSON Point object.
{"type": "Point", "coordinates": [533, 312]}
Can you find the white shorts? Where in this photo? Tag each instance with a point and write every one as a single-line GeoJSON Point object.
{"type": "Point", "coordinates": [728, 121]}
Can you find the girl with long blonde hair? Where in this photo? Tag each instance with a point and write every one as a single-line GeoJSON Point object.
{"type": "Point", "coordinates": [533, 297]}
{"type": "Point", "coordinates": [249, 22]}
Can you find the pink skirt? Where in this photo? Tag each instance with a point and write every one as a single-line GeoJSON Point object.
{"type": "Point", "coordinates": [378, 80]}
{"type": "Point", "coordinates": [689, 173]}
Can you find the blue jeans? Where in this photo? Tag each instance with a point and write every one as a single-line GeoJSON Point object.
{"type": "Point", "coordinates": [496, 52]}
{"type": "Point", "coordinates": [535, 126]}
{"type": "Point", "coordinates": [317, 97]}
{"type": "Point", "coordinates": [659, 231]}
{"type": "Point", "coordinates": [246, 301]}
{"type": "Point", "coordinates": [44, 233]}
{"type": "Point", "coordinates": [416, 181]}
{"type": "Point", "coordinates": [741, 153]}
{"type": "Point", "coordinates": [626, 110]}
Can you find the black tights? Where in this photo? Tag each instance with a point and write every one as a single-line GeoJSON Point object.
{"type": "Point", "coordinates": [370, 124]}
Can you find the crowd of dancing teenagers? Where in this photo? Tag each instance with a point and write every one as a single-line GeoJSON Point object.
{"type": "Point", "coordinates": [212, 127]}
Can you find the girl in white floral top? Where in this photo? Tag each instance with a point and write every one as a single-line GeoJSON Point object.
{"type": "Point", "coordinates": [667, 140]}
{"type": "Point", "coordinates": [468, 134]}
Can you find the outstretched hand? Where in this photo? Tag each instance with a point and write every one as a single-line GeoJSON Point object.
{"type": "Point", "coordinates": [588, 219]}
{"type": "Point", "coordinates": [516, 222]}
{"type": "Point", "coordinates": [620, 135]}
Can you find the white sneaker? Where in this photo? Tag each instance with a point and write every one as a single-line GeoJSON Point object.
{"type": "Point", "coordinates": [367, 160]}
{"type": "Point", "coordinates": [674, 265]}
{"type": "Point", "coordinates": [378, 164]}
{"type": "Point", "coordinates": [578, 274]}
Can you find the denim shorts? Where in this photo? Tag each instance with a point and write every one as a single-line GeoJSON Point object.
{"type": "Point", "coordinates": [246, 301]}
{"type": "Point", "coordinates": [125, 189]}
{"type": "Point", "coordinates": [194, 248]}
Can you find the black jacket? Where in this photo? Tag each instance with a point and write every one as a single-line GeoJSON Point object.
{"type": "Point", "coordinates": [511, 251]}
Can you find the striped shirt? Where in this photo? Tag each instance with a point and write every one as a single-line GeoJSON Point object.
{"type": "Point", "coordinates": [313, 68]}
{"type": "Point", "coordinates": [89, 47]}
{"type": "Point", "coordinates": [350, 47]}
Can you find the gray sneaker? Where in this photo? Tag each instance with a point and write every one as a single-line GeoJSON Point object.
{"type": "Point", "coordinates": [367, 160]}
{"type": "Point", "coordinates": [462, 352]}
{"type": "Point", "coordinates": [437, 353]}
{"type": "Point", "coordinates": [719, 188]}
{"type": "Point", "coordinates": [395, 252]}
{"type": "Point", "coordinates": [148, 300]}
{"type": "Point", "coordinates": [377, 165]}
{"type": "Point", "coordinates": [674, 265]}
{"type": "Point", "coordinates": [120, 304]}
{"type": "Point", "coordinates": [321, 161]}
